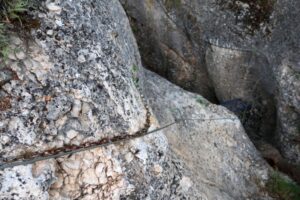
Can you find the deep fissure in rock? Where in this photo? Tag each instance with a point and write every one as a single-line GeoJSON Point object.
{"type": "Point", "coordinates": [257, 113]}
{"type": "Point", "coordinates": [176, 47]}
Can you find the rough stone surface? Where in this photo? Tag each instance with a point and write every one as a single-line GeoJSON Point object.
{"type": "Point", "coordinates": [243, 75]}
{"type": "Point", "coordinates": [166, 48]}
{"type": "Point", "coordinates": [289, 111]}
{"type": "Point", "coordinates": [218, 156]}
{"type": "Point", "coordinates": [246, 50]}
{"type": "Point", "coordinates": [21, 183]}
{"type": "Point", "coordinates": [78, 84]}
{"type": "Point", "coordinates": [57, 97]}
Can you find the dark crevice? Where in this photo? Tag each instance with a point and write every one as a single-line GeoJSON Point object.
{"type": "Point", "coordinates": [257, 110]}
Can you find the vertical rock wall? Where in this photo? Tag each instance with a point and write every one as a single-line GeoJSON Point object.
{"type": "Point", "coordinates": [233, 50]}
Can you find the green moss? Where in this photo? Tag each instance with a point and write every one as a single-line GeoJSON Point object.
{"type": "Point", "coordinates": [12, 19]}
{"type": "Point", "coordinates": [13, 9]}
{"type": "Point", "coordinates": [202, 101]}
{"type": "Point", "coordinates": [134, 72]}
{"type": "Point", "coordinates": [172, 3]}
{"type": "Point", "coordinates": [134, 69]}
{"type": "Point", "coordinates": [297, 75]}
{"type": "Point", "coordinates": [255, 13]}
{"type": "Point", "coordinates": [3, 41]}
{"type": "Point", "coordinates": [283, 188]}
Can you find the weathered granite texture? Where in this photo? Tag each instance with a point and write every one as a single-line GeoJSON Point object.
{"type": "Point", "coordinates": [167, 49]}
{"type": "Point", "coordinates": [74, 85]}
{"type": "Point", "coordinates": [217, 153]}
{"type": "Point", "coordinates": [244, 75]}
{"type": "Point", "coordinates": [76, 82]}
{"type": "Point", "coordinates": [227, 50]}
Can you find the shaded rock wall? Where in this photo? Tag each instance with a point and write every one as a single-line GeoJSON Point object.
{"type": "Point", "coordinates": [218, 155]}
{"type": "Point", "coordinates": [167, 49]}
{"type": "Point", "coordinates": [245, 76]}
{"type": "Point", "coordinates": [239, 47]}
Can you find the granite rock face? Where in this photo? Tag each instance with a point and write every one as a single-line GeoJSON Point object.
{"type": "Point", "coordinates": [166, 48]}
{"type": "Point", "coordinates": [76, 81]}
{"type": "Point", "coordinates": [220, 159]}
{"type": "Point", "coordinates": [289, 109]}
{"type": "Point", "coordinates": [247, 50]}
{"type": "Point", "coordinates": [71, 86]}
{"type": "Point", "coordinates": [245, 76]}
{"type": "Point", "coordinates": [75, 85]}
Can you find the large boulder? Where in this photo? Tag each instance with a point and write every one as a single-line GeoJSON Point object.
{"type": "Point", "coordinates": [245, 76]}
{"type": "Point", "coordinates": [226, 51]}
{"type": "Point", "coordinates": [72, 82]}
{"type": "Point", "coordinates": [217, 154]}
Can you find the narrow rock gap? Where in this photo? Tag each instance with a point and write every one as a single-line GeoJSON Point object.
{"type": "Point", "coordinates": [257, 110]}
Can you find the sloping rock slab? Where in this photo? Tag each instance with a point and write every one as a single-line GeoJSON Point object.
{"type": "Point", "coordinates": [216, 152]}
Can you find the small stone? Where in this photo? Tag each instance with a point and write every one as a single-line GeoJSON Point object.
{"type": "Point", "coordinates": [59, 143]}
{"type": "Point", "coordinates": [59, 23]}
{"type": "Point", "coordinates": [5, 76]}
{"type": "Point", "coordinates": [50, 32]}
{"type": "Point", "coordinates": [53, 8]}
{"type": "Point", "coordinates": [99, 169]}
{"type": "Point", "coordinates": [110, 172]}
{"type": "Point", "coordinates": [185, 183]}
{"type": "Point", "coordinates": [157, 169]}
{"type": "Point", "coordinates": [89, 177]}
{"type": "Point", "coordinates": [102, 179]}
{"type": "Point", "coordinates": [81, 59]}
{"type": "Point", "coordinates": [12, 56]}
{"type": "Point", "coordinates": [50, 137]}
{"type": "Point", "coordinates": [72, 134]}
{"type": "Point", "coordinates": [90, 190]}
{"type": "Point", "coordinates": [36, 65]}
{"type": "Point", "coordinates": [116, 166]}
{"type": "Point", "coordinates": [85, 108]}
{"type": "Point", "coordinates": [28, 64]}
{"type": "Point", "coordinates": [76, 108]}
{"type": "Point", "coordinates": [75, 142]}
{"type": "Point", "coordinates": [54, 194]}
{"type": "Point", "coordinates": [129, 157]}
{"type": "Point", "coordinates": [67, 141]}
{"type": "Point", "coordinates": [21, 55]}
{"type": "Point", "coordinates": [58, 183]}
{"type": "Point", "coordinates": [16, 40]}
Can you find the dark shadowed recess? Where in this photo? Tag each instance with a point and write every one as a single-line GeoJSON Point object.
{"type": "Point", "coordinates": [251, 13]}
{"type": "Point", "coordinates": [254, 28]}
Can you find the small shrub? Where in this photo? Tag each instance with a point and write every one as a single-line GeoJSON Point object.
{"type": "Point", "coordinates": [12, 9]}
{"type": "Point", "coordinates": [172, 3]}
{"type": "Point", "coordinates": [283, 188]}
{"type": "Point", "coordinates": [12, 13]}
